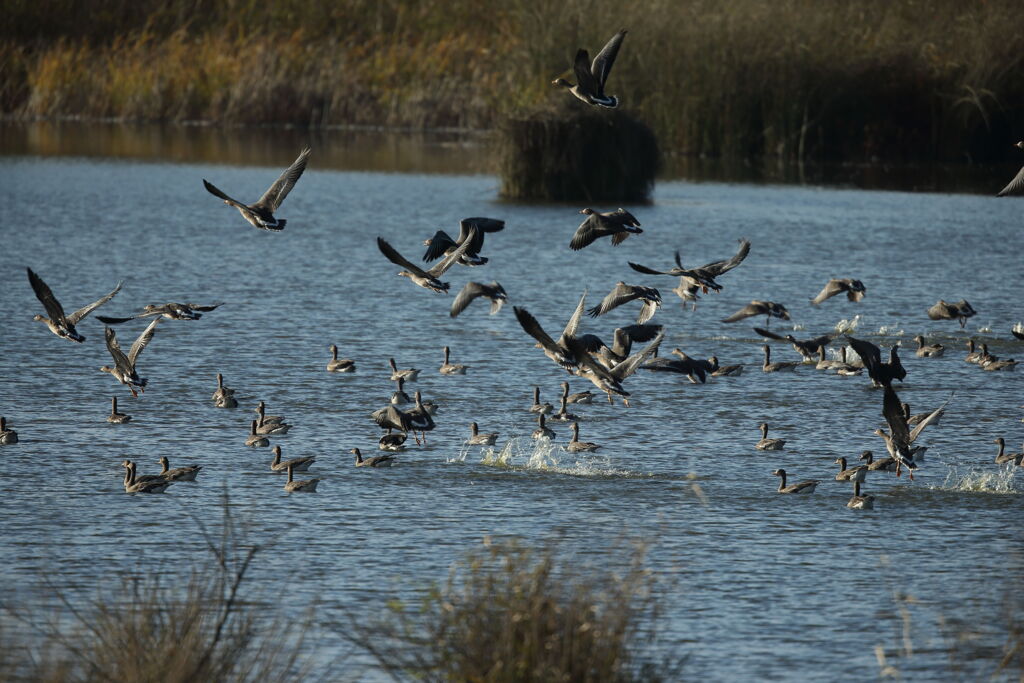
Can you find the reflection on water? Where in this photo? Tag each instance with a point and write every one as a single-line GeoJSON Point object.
{"type": "Point", "coordinates": [447, 152]}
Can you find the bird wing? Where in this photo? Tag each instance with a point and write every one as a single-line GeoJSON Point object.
{"type": "Point", "coordinates": [581, 67]}
{"type": "Point", "coordinates": [486, 224]}
{"type": "Point", "coordinates": [449, 260]}
{"type": "Point", "coordinates": [86, 310]}
{"type": "Point", "coordinates": [619, 237]}
{"type": "Point", "coordinates": [747, 311]}
{"type": "Point", "coordinates": [718, 267]}
{"type": "Point", "coordinates": [649, 271]}
{"type": "Point", "coordinates": [470, 291]}
{"type": "Point", "coordinates": [579, 351]}
{"type": "Point", "coordinates": [212, 189]}
{"type": "Point", "coordinates": [604, 60]}
{"type": "Point", "coordinates": [439, 243]}
{"type": "Point", "coordinates": [120, 360]}
{"type": "Point", "coordinates": [629, 366]}
{"type": "Point", "coordinates": [1015, 186]}
{"type": "Point", "coordinates": [392, 255]}
{"type": "Point", "coordinates": [273, 197]}
{"type": "Point", "coordinates": [140, 343]}
{"type": "Point", "coordinates": [117, 321]}
{"type": "Point", "coordinates": [832, 288]}
{"type": "Point", "coordinates": [622, 217]}
{"type": "Point", "coordinates": [769, 334]}
{"type": "Point", "coordinates": [853, 296]}
{"type": "Point", "coordinates": [205, 309]}
{"type": "Point", "coordinates": [625, 336]}
{"type": "Point", "coordinates": [870, 354]}
{"type": "Point", "coordinates": [820, 341]}
{"type": "Point", "coordinates": [468, 230]}
{"type": "Point", "coordinates": [533, 328]}
{"type": "Point", "coordinates": [932, 417]}
{"type": "Point", "coordinates": [573, 323]}
{"type": "Point", "coordinates": [53, 308]}
{"type": "Point", "coordinates": [590, 229]}
{"type": "Point", "coordinates": [892, 410]}
{"type": "Point", "coordinates": [621, 294]}
{"type": "Point", "coordinates": [647, 310]}
{"type": "Point", "coordinates": [497, 301]}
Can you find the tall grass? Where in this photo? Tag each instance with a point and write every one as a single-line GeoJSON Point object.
{"type": "Point", "coordinates": [511, 613]}
{"type": "Point", "coordinates": [794, 79]}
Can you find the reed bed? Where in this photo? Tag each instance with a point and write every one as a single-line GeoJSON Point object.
{"type": "Point", "coordinates": [794, 79]}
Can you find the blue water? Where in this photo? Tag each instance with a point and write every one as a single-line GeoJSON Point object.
{"type": "Point", "coordinates": [763, 586]}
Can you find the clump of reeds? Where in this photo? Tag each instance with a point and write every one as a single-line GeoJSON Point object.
{"type": "Point", "coordinates": [573, 152]}
{"type": "Point", "coordinates": [508, 613]}
{"type": "Point", "coordinates": [146, 629]}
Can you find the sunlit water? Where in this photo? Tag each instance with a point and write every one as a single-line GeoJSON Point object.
{"type": "Point", "coordinates": [765, 586]}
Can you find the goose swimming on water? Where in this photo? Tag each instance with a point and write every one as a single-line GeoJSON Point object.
{"type": "Point", "coordinates": [261, 214]}
{"type": "Point", "coordinates": [224, 397]}
{"type": "Point", "coordinates": [408, 374]}
{"type": "Point", "coordinates": [928, 350]}
{"type": "Point", "coordinates": [857, 473]}
{"type": "Point", "coordinates": [8, 437]}
{"type": "Point", "coordinates": [392, 442]}
{"type": "Point", "coordinates": [973, 355]}
{"type": "Point", "coordinates": [802, 487]}
{"type": "Point", "coordinates": [336, 364]}
{"type": "Point", "coordinates": [449, 368]}
{"type": "Point", "coordinates": [124, 365]}
{"type": "Point", "coordinates": [304, 486]}
{"type": "Point", "coordinates": [116, 417]}
{"type": "Point", "coordinates": [60, 324]}
{"type": "Point", "coordinates": [373, 461]}
{"type": "Point", "coordinates": [577, 446]}
{"type": "Point", "coordinates": [477, 438]}
{"type": "Point", "coordinates": [542, 431]}
{"type": "Point", "coordinates": [300, 464]}
{"type": "Point", "coordinates": [769, 366]}
{"type": "Point", "coordinates": [766, 444]}
{"type": "Point", "coordinates": [187, 473]}
{"type": "Point", "coordinates": [592, 76]}
{"type": "Point", "coordinates": [256, 440]}
{"type": "Point", "coordinates": [150, 484]}
{"type": "Point", "coordinates": [881, 465]}
{"type": "Point", "coordinates": [1002, 457]}
{"type": "Point", "coordinates": [859, 502]}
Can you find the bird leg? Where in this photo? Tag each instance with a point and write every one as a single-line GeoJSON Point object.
{"type": "Point", "coordinates": [610, 400]}
{"type": "Point", "coordinates": [135, 394]}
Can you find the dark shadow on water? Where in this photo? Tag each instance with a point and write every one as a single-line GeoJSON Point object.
{"type": "Point", "coordinates": [458, 153]}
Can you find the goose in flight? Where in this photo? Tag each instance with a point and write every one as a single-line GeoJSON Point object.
{"type": "Point", "coordinates": [807, 348]}
{"type": "Point", "coordinates": [261, 214]}
{"type": "Point", "coordinates": [618, 224]}
{"type": "Point", "coordinates": [557, 351]}
{"type": "Point", "coordinates": [943, 310]}
{"type": "Point", "coordinates": [592, 76]}
{"type": "Point", "coordinates": [622, 294]}
{"type": "Point", "coordinates": [610, 381]}
{"type": "Point", "coordinates": [1016, 186]}
{"type": "Point", "coordinates": [854, 289]}
{"type": "Point", "coordinates": [60, 324]}
{"type": "Point", "coordinates": [171, 311]}
{"type": "Point", "coordinates": [474, 290]}
{"type": "Point", "coordinates": [770, 309]}
{"type": "Point", "coordinates": [428, 279]}
{"type": "Point", "coordinates": [881, 374]}
{"type": "Point", "coordinates": [623, 339]}
{"type": "Point", "coordinates": [900, 439]}
{"type": "Point", "coordinates": [124, 365]}
{"type": "Point", "coordinates": [701, 278]}
{"type": "Point", "coordinates": [441, 244]}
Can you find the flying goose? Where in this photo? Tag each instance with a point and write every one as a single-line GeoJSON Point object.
{"type": "Point", "coordinates": [927, 350]}
{"type": "Point", "coordinates": [542, 431]}
{"type": "Point", "coordinates": [1015, 186]}
{"type": "Point", "coordinates": [478, 439]}
{"type": "Point", "coordinates": [261, 214]}
{"type": "Point", "coordinates": [300, 464]}
{"type": "Point", "coordinates": [882, 374]}
{"type": "Point", "coordinates": [557, 351]}
{"type": "Point", "coordinates": [702, 278]}
{"type": "Point", "coordinates": [224, 397]}
{"type": "Point", "coordinates": [920, 417]}
{"type": "Point", "coordinates": [1002, 457]}
{"type": "Point", "coordinates": [8, 437]}
{"type": "Point", "coordinates": [960, 310]}
{"type": "Point", "coordinates": [610, 381]}
{"type": "Point", "coordinates": [881, 465]}
{"type": "Point", "coordinates": [802, 487]}
{"type": "Point", "coordinates": [116, 417]}
{"type": "Point", "coordinates": [805, 347]}
{"type": "Point", "coordinates": [336, 364]}
{"type": "Point", "coordinates": [392, 442]}
{"type": "Point", "coordinates": [770, 309]}
{"type": "Point", "coordinates": [255, 439]}
{"type": "Point", "coordinates": [373, 461]}
{"type": "Point", "coordinates": [304, 486]}
{"type": "Point", "coordinates": [591, 77]}
{"type": "Point", "coordinates": [132, 484]}
{"type": "Point", "coordinates": [187, 473]}
{"type": "Point", "coordinates": [857, 473]}
{"type": "Point", "coordinates": [448, 368]}
{"type": "Point", "coordinates": [693, 366]}
{"type": "Point", "coordinates": [769, 366]}
{"type": "Point", "coordinates": [577, 446]}
{"type": "Point", "coordinates": [537, 406]}
{"type": "Point", "coordinates": [623, 339]}
{"type": "Point", "coordinates": [622, 294]}
{"type": "Point", "coordinates": [124, 365]}
{"type": "Point", "coordinates": [472, 229]}
{"type": "Point", "coordinates": [60, 324]}
{"type": "Point", "coordinates": [618, 224]}
{"type": "Point", "coordinates": [428, 279]}
{"type": "Point", "coordinates": [408, 374]}
{"type": "Point", "coordinates": [900, 439]}
{"type": "Point", "coordinates": [854, 290]}
{"type": "Point", "coordinates": [171, 311]}
{"type": "Point", "coordinates": [859, 502]}
{"type": "Point", "coordinates": [766, 444]}
{"type": "Point", "coordinates": [474, 290]}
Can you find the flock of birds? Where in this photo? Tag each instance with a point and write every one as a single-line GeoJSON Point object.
{"type": "Point", "coordinates": [586, 356]}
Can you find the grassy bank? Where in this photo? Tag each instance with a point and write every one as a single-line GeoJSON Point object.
{"type": "Point", "coordinates": [794, 79]}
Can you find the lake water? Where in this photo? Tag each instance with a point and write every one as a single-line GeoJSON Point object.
{"type": "Point", "coordinates": [763, 586]}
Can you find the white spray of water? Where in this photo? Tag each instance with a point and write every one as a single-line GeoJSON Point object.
{"type": "Point", "coordinates": [886, 331]}
{"type": "Point", "coordinates": [848, 326]}
{"type": "Point", "coordinates": [981, 480]}
{"type": "Point", "coordinates": [543, 455]}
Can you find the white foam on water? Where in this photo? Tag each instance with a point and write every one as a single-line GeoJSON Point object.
{"type": "Point", "coordinates": [886, 331]}
{"type": "Point", "coordinates": [847, 326]}
{"type": "Point", "coordinates": [989, 480]}
{"type": "Point", "coordinates": [523, 453]}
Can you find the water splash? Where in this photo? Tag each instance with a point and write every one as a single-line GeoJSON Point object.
{"type": "Point", "coordinates": [848, 326]}
{"type": "Point", "coordinates": [985, 329]}
{"type": "Point", "coordinates": [980, 481]}
{"type": "Point", "coordinates": [523, 453]}
{"type": "Point", "coordinates": [887, 331]}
